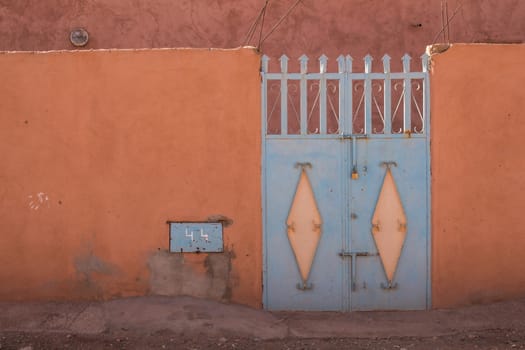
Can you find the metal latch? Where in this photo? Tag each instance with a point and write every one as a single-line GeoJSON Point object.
{"type": "Point", "coordinates": [353, 256]}
{"type": "Point", "coordinates": [353, 138]}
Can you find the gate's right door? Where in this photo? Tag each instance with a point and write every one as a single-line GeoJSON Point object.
{"type": "Point", "coordinates": [388, 224]}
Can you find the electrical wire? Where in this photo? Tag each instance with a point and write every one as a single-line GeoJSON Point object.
{"type": "Point", "coordinates": [279, 22]}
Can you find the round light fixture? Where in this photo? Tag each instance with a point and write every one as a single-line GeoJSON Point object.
{"type": "Point", "coordinates": [79, 37]}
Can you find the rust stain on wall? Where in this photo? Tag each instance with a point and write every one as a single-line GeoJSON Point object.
{"type": "Point", "coordinates": [226, 221]}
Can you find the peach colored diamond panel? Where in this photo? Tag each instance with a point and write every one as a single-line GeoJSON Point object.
{"type": "Point", "coordinates": [389, 225]}
{"type": "Point", "coordinates": [304, 226]}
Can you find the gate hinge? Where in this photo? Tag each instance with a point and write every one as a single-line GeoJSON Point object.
{"type": "Point", "coordinates": [343, 254]}
{"type": "Point", "coordinates": [304, 286]}
{"type": "Point", "coordinates": [389, 285]}
{"type": "Point", "coordinates": [352, 136]}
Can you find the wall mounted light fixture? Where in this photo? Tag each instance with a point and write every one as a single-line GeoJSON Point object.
{"type": "Point", "coordinates": [79, 37]}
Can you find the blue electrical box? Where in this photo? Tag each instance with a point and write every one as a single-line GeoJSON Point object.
{"type": "Point", "coordinates": [196, 237]}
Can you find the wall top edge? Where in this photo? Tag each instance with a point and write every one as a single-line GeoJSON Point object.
{"type": "Point", "coordinates": [175, 49]}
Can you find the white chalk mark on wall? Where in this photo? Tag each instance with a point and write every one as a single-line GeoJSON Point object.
{"type": "Point", "coordinates": [38, 200]}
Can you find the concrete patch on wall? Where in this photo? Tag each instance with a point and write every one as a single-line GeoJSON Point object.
{"type": "Point", "coordinates": [88, 268]}
{"type": "Point", "coordinates": [199, 275]}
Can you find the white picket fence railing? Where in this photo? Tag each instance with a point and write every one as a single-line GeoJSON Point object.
{"type": "Point", "coordinates": [345, 103]}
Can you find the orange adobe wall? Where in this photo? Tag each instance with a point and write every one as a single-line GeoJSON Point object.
{"type": "Point", "coordinates": [100, 148]}
{"type": "Point", "coordinates": [478, 174]}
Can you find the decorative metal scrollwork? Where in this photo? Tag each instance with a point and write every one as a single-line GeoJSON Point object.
{"type": "Point", "coordinates": [273, 89]}
{"type": "Point", "coordinates": [378, 108]}
{"type": "Point", "coordinates": [397, 86]}
{"type": "Point", "coordinates": [357, 88]}
{"type": "Point", "coordinates": [418, 87]}
{"type": "Point", "coordinates": [320, 98]}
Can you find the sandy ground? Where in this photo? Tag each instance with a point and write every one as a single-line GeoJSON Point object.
{"type": "Point", "coordinates": [189, 323]}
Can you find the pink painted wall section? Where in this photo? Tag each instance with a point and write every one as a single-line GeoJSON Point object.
{"type": "Point", "coordinates": [478, 182]}
{"type": "Point", "coordinates": [100, 148]}
{"type": "Point", "coordinates": [314, 27]}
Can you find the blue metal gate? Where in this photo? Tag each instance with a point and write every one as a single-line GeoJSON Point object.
{"type": "Point", "coordinates": [346, 187]}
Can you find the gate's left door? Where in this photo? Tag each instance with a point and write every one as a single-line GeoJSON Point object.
{"type": "Point", "coordinates": [303, 197]}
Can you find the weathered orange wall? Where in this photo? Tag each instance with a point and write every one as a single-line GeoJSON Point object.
{"type": "Point", "coordinates": [478, 168]}
{"type": "Point", "coordinates": [314, 27]}
{"type": "Point", "coordinates": [119, 142]}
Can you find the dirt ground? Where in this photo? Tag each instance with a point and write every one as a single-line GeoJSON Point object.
{"type": "Point", "coordinates": [188, 323]}
{"type": "Point", "coordinates": [487, 339]}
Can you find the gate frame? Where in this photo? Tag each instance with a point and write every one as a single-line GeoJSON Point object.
{"type": "Point", "coordinates": [426, 63]}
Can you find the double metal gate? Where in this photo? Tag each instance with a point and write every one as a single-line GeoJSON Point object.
{"type": "Point", "coordinates": [346, 187]}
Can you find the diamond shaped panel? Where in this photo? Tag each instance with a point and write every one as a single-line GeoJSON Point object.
{"type": "Point", "coordinates": [304, 225]}
{"type": "Point", "coordinates": [389, 225]}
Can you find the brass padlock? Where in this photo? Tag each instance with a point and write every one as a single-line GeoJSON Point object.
{"type": "Point", "coordinates": [355, 175]}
